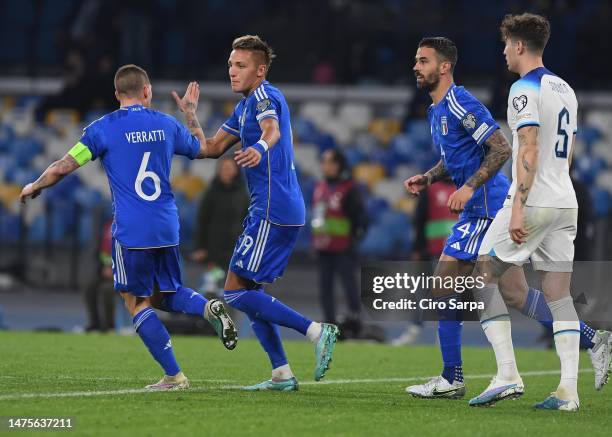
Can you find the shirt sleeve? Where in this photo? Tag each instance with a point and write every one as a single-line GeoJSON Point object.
{"type": "Point", "coordinates": [232, 124]}
{"type": "Point", "coordinates": [265, 106]}
{"type": "Point", "coordinates": [91, 140]}
{"type": "Point", "coordinates": [473, 115]}
{"type": "Point", "coordinates": [185, 143]}
{"type": "Point", "coordinates": [523, 104]}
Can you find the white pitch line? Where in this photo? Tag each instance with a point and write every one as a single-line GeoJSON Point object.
{"type": "Point", "coordinates": [103, 378]}
{"type": "Point", "coordinates": [77, 394]}
{"type": "Point", "coordinates": [413, 378]}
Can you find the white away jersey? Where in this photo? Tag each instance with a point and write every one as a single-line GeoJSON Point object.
{"type": "Point", "coordinates": [541, 98]}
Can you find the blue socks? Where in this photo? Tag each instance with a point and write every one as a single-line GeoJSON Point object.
{"type": "Point", "coordinates": [265, 313]}
{"type": "Point", "coordinates": [269, 338]}
{"type": "Point", "coordinates": [257, 304]}
{"type": "Point", "coordinates": [155, 336]}
{"type": "Point", "coordinates": [449, 333]}
{"type": "Point", "coordinates": [536, 308]}
{"type": "Point", "coordinates": [184, 300]}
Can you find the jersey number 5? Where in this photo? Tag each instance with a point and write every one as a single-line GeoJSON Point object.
{"type": "Point", "coordinates": [561, 151]}
{"type": "Point", "coordinates": [143, 174]}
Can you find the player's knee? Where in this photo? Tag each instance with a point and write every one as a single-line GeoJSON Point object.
{"type": "Point", "coordinates": [135, 304]}
{"type": "Point", "coordinates": [512, 296]}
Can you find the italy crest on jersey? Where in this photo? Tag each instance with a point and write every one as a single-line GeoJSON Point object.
{"type": "Point", "coordinates": [444, 126]}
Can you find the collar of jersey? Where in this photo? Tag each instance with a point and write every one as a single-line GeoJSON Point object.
{"type": "Point", "coordinates": [265, 82]}
{"type": "Point", "coordinates": [132, 106]}
{"type": "Point", "coordinates": [437, 105]}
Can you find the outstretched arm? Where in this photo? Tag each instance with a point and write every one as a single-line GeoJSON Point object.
{"type": "Point", "coordinates": [51, 176]}
{"type": "Point", "coordinates": [498, 152]}
{"type": "Point", "coordinates": [209, 147]}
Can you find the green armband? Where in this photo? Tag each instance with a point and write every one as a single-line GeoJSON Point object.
{"type": "Point", "coordinates": [81, 153]}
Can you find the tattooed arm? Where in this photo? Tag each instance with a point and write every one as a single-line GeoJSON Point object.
{"type": "Point", "coordinates": [496, 156]}
{"type": "Point", "coordinates": [527, 161]}
{"type": "Point", "coordinates": [418, 183]}
{"type": "Point", "coordinates": [209, 147]}
{"type": "Point", "coordinates": [437, 173]}
{"type": "Point", "coordinates": [51, 176]}
{"type": "Point", "coordinates": [526, 167]}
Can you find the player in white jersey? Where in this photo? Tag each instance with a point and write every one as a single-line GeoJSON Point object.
{"type": "Point", "coordinates": [538, 221]}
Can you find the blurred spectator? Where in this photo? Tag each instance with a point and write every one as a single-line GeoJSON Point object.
{"type": "Point", "coordinates": [433, 221]}
{"type": "Point", "coordinates": [220, 215]}
{"type": "Point", "coordinates": [339, 220]}
{"type": "Point", "coordinates": [99, 294]}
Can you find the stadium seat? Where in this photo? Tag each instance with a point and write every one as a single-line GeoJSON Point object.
{"type": "Point", "coordinates": [403, 147]}
{"type": "Point", "coordinates": [374, 207]}
{"type": "Point", "coordinates": [377, 242]}
{"type": "Point", "coordinates": [406, 204]}
{"type": "Point", "coordinates": [601, 201]}
{"type": "Point", "coordinates": [604, 180]}
{"type": "Point", "coordinates": [340, 131]}
{"type": "Point", "coordinates": [307, 157]}
{"type": "Point", "coordinates": [390, 189]}
{"type": "Point", "coordinates": [317, 112]}
{"type": "Point", "coordinates": [9, 195]}
{"type": "Point", "coordinates": [188, 183]}
{"type": "Point", "coordinates": [384, 129]}
{"type": "Point", "coordinates": [355, 116]}
{"type": "Point", "coordinates": [369, 173]}
{"type": "Point", "coordinates": [61, 119]}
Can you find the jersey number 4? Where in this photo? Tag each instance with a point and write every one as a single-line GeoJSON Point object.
{"type": "Point", "coordinates": [561, 146]}
{"type": "Point", "coordinates": [143, 174]}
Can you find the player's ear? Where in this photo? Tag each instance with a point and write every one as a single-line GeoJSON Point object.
{"type": "Point", "coordinates": [261, 70]}
{"type": "Point", "coordinates": [117, 96]}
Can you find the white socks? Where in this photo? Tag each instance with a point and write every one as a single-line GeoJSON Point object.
{"type": "Point", "coordinates": [314, 332]}
{"type": "Point", "coordinates": [566, 329]}
{"type": "Point", "coordinates": [282, 372]}
{"type": "Point", "coordinates": [499, 334]}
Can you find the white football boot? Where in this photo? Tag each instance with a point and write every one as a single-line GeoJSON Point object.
{"type": "Point", "coordinates": [437, 387]}
{"type": "Point", "coordinates": [601, 354]}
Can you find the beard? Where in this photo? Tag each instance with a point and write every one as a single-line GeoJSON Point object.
{"type": "Point", "coordinates": [429, 83]}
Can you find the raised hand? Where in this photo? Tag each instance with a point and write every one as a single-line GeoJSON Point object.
{"type": "Point", "coordinates": [189, 102]}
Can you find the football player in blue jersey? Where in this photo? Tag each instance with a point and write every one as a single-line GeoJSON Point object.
{"type": "Point", "coordinates": [261, 123]}
{"type": "Point", "coordinates": [472, 150]}
{"type": "Point", "coordinates": [135, 145]}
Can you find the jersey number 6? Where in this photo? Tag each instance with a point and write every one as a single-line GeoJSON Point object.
{"type": "Point", "coordinates": [143, 174]}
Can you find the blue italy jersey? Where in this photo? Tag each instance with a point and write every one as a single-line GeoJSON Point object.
{"type": "Point", "coordinates": [136, 145]}
{"type": "Point", "coordinates": [275, 193]}
{"type": "Point", "coordinates": [460, 125]}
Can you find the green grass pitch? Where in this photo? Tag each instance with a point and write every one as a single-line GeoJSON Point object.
{"type": "Point", "coordinates": [87, 376]}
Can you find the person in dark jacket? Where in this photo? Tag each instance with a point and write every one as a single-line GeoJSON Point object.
{"type": "Point", "coordinates": [339, 221]}
{"type": "Point", "coordinates": [219, 219]}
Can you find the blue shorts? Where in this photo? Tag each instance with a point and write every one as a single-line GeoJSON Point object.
{"type": "Point", "coordinates": [466, 236]}
{"type": "Point", "coordinates": [137, 270]}
{"type": "Point", "coordinates": [263, 250]}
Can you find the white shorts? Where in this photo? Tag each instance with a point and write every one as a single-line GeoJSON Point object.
{"type": "Point", "coordinates": [549, 245]}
